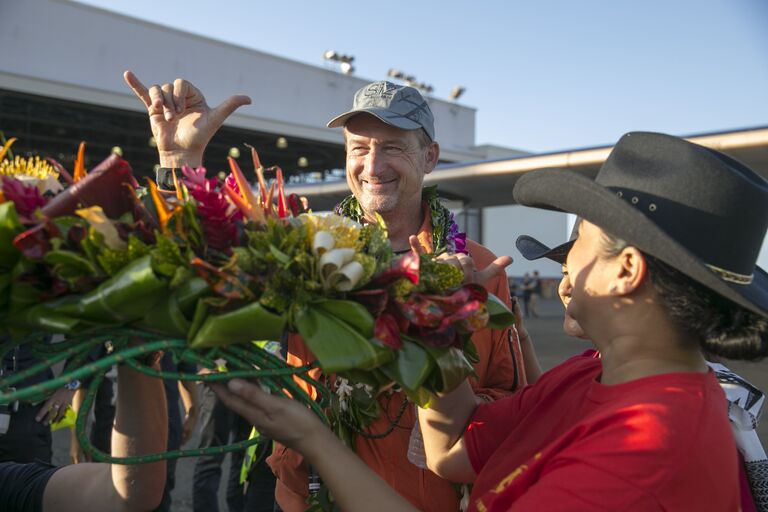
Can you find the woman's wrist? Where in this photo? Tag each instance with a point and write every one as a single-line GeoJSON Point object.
{"type": "Point", "coordinates": [314, 445]}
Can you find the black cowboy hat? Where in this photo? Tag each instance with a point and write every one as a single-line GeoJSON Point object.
{"type": "Point", "coordinates": [694, 208]}
{"type": "Point", "coordinates": [532, 249]}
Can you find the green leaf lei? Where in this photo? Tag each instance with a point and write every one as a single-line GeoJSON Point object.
{"type": "Point", "coordinates": [442, 219]}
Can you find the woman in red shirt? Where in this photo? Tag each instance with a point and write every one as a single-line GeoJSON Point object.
{"type": "Point", "coordinates": [663, 269]}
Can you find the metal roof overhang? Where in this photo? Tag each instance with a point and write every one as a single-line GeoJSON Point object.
{"type": "Point", "coordinates": [489, 183]}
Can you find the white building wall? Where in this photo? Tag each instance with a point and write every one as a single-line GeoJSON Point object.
{"type": "Point", "coordinates": [67, 50]}
{"type": "Point", "coordinates": [503, 224]}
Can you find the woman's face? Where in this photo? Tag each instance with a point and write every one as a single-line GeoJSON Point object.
{"type": "Point", "coordinates": [570, 325]}
{"type": "Point", "coordinates": [590, 278]}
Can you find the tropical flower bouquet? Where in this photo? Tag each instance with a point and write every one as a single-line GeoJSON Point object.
{"type": "Point", "coordinates": [213, 270]}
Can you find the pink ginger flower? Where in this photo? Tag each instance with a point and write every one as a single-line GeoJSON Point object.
{"type": "Point", "coordinates": [27, 198]}
{"type": "Point", "coordinates": [216, 214]}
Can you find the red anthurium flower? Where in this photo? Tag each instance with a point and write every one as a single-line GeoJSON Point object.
{"type": "Point", "coordinates": [27, 198]}
{"type": "Point", "coordinates": [472, 315]}
{"type": "Point", "coordinates": [476, 292]}
{"type": "Point", "coordinates": [422, 311]}
{"type": "Point", "coordinates": [387, 331]}
{"type": "Point", "coordinates": [464, 295]}
{"type": "Point", "coordinates": [374, 300]}
{"type": "Point", "coordinates": [407, 266]}
{"type": "Point", "coordinates": [476, 321]}
{"type": "Point", "coordinates": [294, 203]}
{"type": "Point", "coordinates": [439, 338]}
{"type": "Point", "coordinates": [108, 185]}
{"type": "Point", "coordinates": [33, 243]}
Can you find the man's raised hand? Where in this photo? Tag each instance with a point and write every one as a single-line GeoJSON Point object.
{"type": "Point", "coordinates": [181, 121]}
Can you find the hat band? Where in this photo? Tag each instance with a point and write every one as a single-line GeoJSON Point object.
{"type": "Point", "coordinates": [731, 277]}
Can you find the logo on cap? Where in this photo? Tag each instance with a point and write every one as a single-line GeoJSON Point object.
{"type": "Point", "coordinates": [382, 89]}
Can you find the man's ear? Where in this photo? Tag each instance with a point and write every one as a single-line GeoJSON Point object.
{"type": "Point", "coordinates": [432, 156]}
{"type": "Point", "coordinates": [632, 270]}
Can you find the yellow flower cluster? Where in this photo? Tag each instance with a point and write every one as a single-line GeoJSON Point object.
{"type": "Point", "coordinates": [33, 167]}
{"type": "Point", "coordinates": [345, 232]}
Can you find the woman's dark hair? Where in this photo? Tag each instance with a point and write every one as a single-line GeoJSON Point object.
{"type": "Point", "coordinates": [723, 328]}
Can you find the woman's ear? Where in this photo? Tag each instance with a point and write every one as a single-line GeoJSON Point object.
{"type": "Point", "coordinates": [632, 270]}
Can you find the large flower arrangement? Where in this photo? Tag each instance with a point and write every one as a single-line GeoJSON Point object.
{"type": "Point", "coordinates": [222, 266]}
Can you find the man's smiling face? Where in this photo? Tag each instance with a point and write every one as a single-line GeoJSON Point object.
{"type": "Point", "coordinates": [386, 165]}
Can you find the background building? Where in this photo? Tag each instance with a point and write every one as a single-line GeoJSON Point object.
{"type": "Point", "coordinates": [61, 82]}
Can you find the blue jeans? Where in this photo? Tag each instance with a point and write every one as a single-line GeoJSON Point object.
{"type": "Point", "coordinates": [219, 426]}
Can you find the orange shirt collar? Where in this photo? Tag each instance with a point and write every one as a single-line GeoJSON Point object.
{"type": "Point", "coordinates": [425, 231]}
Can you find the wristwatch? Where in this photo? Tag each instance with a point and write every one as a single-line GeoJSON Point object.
{"type": "Point", "coordinates": [164, 178]}
{"type": "Point", "coordinates": [73, 385]}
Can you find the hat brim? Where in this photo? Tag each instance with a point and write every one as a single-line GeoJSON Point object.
{"type": "Point", "coordinates": [382, 114]}
{"type": "Point", "coordinates": [532, 249]}
{"type": "Point", "coordinates": [569, 192]}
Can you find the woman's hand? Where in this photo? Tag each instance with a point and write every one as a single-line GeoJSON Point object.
{"type": "Point", "coordinates": [276, 417]}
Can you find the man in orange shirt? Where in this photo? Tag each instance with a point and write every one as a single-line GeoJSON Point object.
{"type": "Point", "coordinates": [389, 139]}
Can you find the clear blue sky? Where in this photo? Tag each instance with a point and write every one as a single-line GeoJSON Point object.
{"type": "Point", "coordinates": [543, 74]}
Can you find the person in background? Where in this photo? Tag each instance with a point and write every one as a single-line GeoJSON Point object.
{"type": "Point", "coordinates": [27, 436]}
{"type": "Point", "coordinates": [179, 429]}
{"type": "Point", "coordinates": [527, 291]}
{"type": "Point", "coordinates": [513, 288]}
{"type": "Point", "coordinates": [390, 146]}
{"type": "Point", "coordinates": [535, 285]}
{"type": "Point", "coordinates": [219, 426]}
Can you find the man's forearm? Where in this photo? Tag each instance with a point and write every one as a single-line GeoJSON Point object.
{"type": "Point", "coordinates": [178, 159]}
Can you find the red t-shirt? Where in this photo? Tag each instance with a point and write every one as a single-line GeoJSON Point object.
{"type": "Point", "coordinates": [570, 443]}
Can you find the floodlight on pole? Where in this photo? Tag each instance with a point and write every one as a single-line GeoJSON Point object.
{"type": "Point", "coordinates": [456, 92]}
{"type": "Point", "coordinates": [347, 68]}
{"type": "Point", "coordinates": [410, 80]}
{"type": "Point", "coordinates": [344, 61]}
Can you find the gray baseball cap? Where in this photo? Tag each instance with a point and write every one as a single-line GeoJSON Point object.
{"type": "Point", "coordinates": [398, 105]}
